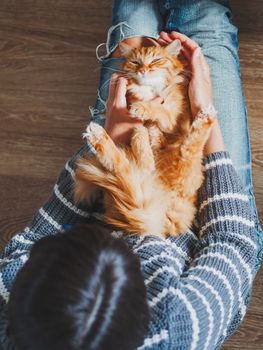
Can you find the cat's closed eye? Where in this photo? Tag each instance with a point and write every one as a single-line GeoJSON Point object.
{"type": "Point", "coordinates": [156, 60]}
{"type": "Point", "coordinates": [135, 62]}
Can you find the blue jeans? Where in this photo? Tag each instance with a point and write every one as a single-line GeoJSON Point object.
{"type": "Point", "coordinates": [209, 23]}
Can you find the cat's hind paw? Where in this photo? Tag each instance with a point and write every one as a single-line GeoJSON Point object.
{"type": "Point", "coordinates": [138, 110]}
{"type": "Point", "coordinates": [94, 134]}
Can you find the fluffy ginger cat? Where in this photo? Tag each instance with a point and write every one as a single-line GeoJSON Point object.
{"type": "Point", "coordinates": [150, 187]}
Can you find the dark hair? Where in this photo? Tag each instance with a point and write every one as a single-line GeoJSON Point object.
{"type": "Point", "coordinates": [82, 289]}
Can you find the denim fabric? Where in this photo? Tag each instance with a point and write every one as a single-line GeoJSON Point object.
{"type": "Point", "coordinates": [209, 23]}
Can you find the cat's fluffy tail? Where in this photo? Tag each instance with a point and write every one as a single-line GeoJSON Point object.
{"type": "Point", "coordinates": [133, 202]}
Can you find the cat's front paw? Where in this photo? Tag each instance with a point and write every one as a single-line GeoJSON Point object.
{"type": "Point", "coordinates": [203, 120]}
{"type": "Point", "coordinates": [205, 117]}
{"type": "Point", "coordinates": [138, 110]}
{"type": "Point", "coordinates": [94, 134]}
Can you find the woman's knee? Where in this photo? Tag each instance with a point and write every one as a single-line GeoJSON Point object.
{"type": "Point", "coordinates": [205, 21]}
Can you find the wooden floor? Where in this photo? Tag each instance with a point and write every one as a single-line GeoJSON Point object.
{"type": "Point", "coordinates": [48, 77]}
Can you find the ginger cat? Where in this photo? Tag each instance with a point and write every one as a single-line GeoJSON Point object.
{"type": "Point", "coordinates": [151, 186]}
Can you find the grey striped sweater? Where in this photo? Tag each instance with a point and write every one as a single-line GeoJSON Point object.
{"type": "Point", "coordinates": [198, 289]}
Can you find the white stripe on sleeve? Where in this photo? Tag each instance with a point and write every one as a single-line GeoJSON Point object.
{"type": "Point", "coordinates": [245, 266]}
{"type": "Point", "coordinates": [236, 218]}
{"type": "Point", "coordinates": [217, 297]}
{"type": "Point", "coordinates": [223, 196]}
{"type": "Point", "coordinates": [68, 204]}
{"type": "Point", "coordinates": [218, 162]}
{"type": "Point", "coordinates": [226, 283]}
{"type": "Point", "coordinates": [3, 290]}
{"type": "Point", "coordinates": [50, 219]}
{"type": "Point", "coordinates": [156, 339]}
{"type": "Point", "coordinates": [209, 312]}
{"type": "Point", "coordinates": [69, 169]}
{"type": "Point", "coordinates": [161, 270]}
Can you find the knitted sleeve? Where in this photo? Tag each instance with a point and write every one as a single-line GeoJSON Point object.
{"type": "Point", "coordinates": [210, 299]}
{"type": "Point", "coordinates": [58, 211]}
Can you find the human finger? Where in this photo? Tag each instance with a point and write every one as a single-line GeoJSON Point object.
{"type": "Point", "coordinates": [162, 42]}
{"type": "Point", "coordinates": [196, 62]}
{"type": "Point", "coordinates": [199, 64]}
{"type": "Point", "coordinates": [187, 42]}
{"type": "Point", "coordinates": [166, 37]}
{"type": "Point", "coordinates": [120, 93]}
{"type": "Point", "coordinates": [112, 88]}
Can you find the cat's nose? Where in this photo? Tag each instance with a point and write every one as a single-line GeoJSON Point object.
{"type": "Point", "coordinates": [142, 69]}
{"type": "Point", "coordinates": [142, 72]}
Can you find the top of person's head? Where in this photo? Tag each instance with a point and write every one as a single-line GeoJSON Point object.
{"type": "Point", "coordinates": [82, 289]}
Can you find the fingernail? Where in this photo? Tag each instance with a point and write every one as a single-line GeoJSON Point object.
{"type": "Point", "coordinates": [198, 52]}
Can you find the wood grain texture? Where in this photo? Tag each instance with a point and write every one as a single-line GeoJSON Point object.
{"type": "Point", "coordinates": [248, 18]}
{"type": "Point", "coordinates": [48, 77]}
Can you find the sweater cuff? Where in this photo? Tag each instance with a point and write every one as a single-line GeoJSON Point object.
{"type": "Point", "coordinates": [223, 203]}
{"type": "Point", "coordinates": [220, 176]}
{"type": "Point", "coordinates": [217, 158]}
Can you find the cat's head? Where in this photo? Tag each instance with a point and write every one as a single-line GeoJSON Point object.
{"type": "Point", "coordinates": [152, 65]}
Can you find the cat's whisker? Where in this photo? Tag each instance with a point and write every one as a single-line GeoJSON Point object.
{"type": "Point", "coordinates": [114, 70]}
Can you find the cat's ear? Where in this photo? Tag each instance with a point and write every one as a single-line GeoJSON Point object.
{"type": "Point", "coordinates": [125, 49]}
{"type": "Point", "coordinates": [174, 48]}
{"type": "Point", "coordinates": [153, 41]}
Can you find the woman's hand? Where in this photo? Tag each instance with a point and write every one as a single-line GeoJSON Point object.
{"type": "Point", "coordinates": [119, 125]}
{"type": "Point", "coordinates": [200, 88]}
